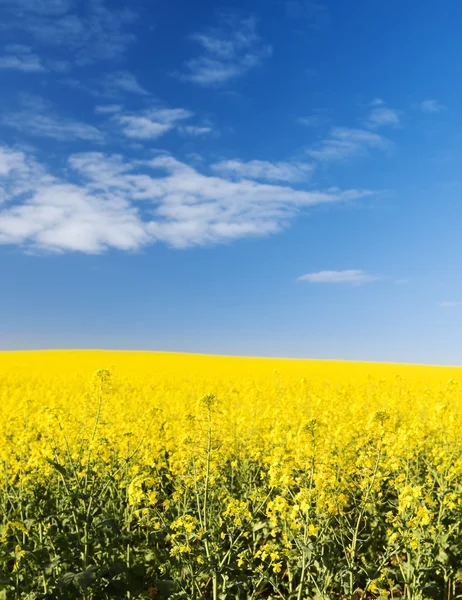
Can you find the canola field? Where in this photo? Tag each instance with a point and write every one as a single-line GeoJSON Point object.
{"type": "Point", "coordinates": [145, 475]}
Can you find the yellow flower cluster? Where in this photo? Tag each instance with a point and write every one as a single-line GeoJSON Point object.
{"type": "Point", "coordinates": [281, 478]}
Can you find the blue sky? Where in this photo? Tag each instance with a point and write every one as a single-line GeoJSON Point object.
{"type": "Point", "coordinates": [260, 178]}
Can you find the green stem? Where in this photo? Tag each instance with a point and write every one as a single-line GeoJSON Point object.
{"type": "Point", "coordinates": [206, 498]}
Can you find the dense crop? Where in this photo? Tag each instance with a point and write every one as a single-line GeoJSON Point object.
{"type": "Point", "coordinates": [129, 475]}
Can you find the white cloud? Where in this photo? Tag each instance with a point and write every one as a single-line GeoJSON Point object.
{"type": "Point", "coordinates": [142, 128]}
{"type": "Point", "coordinates": [41, 7]}
{"type": "Point", "coordinates": [228, 53]}
{"type": "Point", "coordinates": [21, 58]}
{"type": "Point", "coordinates": [126, 205]}
{"type": "Point", "coordinates": [64, 217]}
{"type": "Point", "coordinates": [448, 304]}
{"type": "Point", "coordinates": [350, 276]}
{"type": "Point", "coordinates": [431, 106]}
{"type": "Point", "coordinates": [264, 170]}
{"type": "Point", "coordinates": [113, 85]}
{"type": "Point", "coordinates": [96, 33]}
{"type": "Point", "coordinates": [382, 116]}
{"type": "Point", "coordinates": [37, 118]}
{"type": "Point", "coordinates": [9, 161]}
{"type": "Point", "coordinates": [152, 123]}
{"type": "Point", "coordinates": [343, 143]}
{"type": "Point", "coordinates": [123, 81]}
{"type": "Point", "coordinates": [55, 127]}
{"type": "Point", "coordinates": [18, 173]}
{"type": "Point", "coordinates": [108, 109]}
{"type": "Point", "coordinates": [195, 130]}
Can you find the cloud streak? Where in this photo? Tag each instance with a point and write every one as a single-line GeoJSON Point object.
{"type": "Point", "coordinates": [196, 130]}
{"type": "Point", "coordinates": [312, 120]}
{"type": "Point", "coordinates": [44, 124]}
{"type": "Point", "coordinates": [263, 170]}
{"type": "Point", "coordinates": [431, 106]}
{"type": "Point", "coordinates": [110, 202]}
{"type": "Point", "coordinates": [344, 143]}
{"type": "Point", "coordinates": [21, 58]}
{"type": "Point", "coordinates": [108, 109]}
{"type": "Point", "coordinates": [227, 53]}
{"type": "Point", "coordinates": [449, 304]}
{"type": "Point", "coordinates": [152, 124]}
{"type": "Point", "coordinates": [123, 81]}
{"type": "Point", "coordinates": [349, 276]}
{"type": "Point", "coordinates": [382, 116]}
{"type": "Point", "coordinates": [98, 34]}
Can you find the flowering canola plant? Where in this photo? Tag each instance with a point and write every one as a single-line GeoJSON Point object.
{"type": "Point", "coordinates": [149, 475]}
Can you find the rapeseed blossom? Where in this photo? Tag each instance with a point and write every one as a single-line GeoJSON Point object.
{"type": "Point", "coordinates": [155, 475]}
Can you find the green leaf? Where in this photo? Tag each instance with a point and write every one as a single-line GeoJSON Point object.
{"type": "Point", "coordinates": [68, 578]}
{"type": "Point", "coordinates": [166, 588]}
{"type": "Point", "coordinates": [442, 557]}
{"type": "Point", "coordinates": [48, 569]}
{"type": "Point", "coordinates": [85, 578]}
{"type": "Point", "coordinates": [81, 580]}
{"type": "Point", "coordinates": [57, 466]}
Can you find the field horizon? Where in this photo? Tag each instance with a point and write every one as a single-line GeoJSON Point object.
{"type": "Point", "coordinates": [332, 361]}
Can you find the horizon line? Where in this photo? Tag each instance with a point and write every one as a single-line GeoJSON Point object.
{"type": "Point", "coordinates": [238, 356]}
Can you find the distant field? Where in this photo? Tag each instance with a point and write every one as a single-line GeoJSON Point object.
{"type": "Point", "coordinates": [150, 475]}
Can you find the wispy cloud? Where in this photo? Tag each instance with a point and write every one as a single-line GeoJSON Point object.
{"type": "Point", "coordinates": [431, 106]}
{"type": "Point", "coordinates": [38, 119]}
{"type": "Point", "coordinates": [344, 143]}
{"type": "Point", "coordinates": [381, 116]}
{"type": "Point", "coordinates": [10, 160]}
{"type": "Point", "coordinates": [112, 87]}
{"type": "Point", "coordinates": [108, 109]}
{"type": "Point", "coordinates": [152, 124]}
{"type": "Point", "coordinates": [49, 8]}
{"type": "Point", "coordinates": [99, 33]}
{"type": "Point", "coordinates": [57, 128]}
{"type": "Point", "coordinates": [312, 120]}
{"type": "Point", "coordinates": [263, 170]}
{"type": "Point", "coordinates": [196, 130]}
{"type": "Point", "coordinates": [228, 53]}
{"type": "Point", "coordinates": [449, 304]}
{"type": "Point", "coordinates": [18, 173]}
{"type": "Point", "coordinates": [100, 208]}
{"type": "Point", "coordinates": [349, 276]}
{"type": "Point", "coordinates": [21, 58]}
{"type": "Point", "coordinates": [123, 81]}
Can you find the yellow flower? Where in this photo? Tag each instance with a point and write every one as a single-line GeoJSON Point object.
{"type": "Point", "coordinates": [312, 530]}
{"type": "Point", "coordinates": [277, 566]}
{"type": "Point", "coordinates": [291, 450]}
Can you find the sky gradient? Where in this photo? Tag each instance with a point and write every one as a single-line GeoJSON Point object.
{"type": "Point", "coordinates": [272, 179]}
